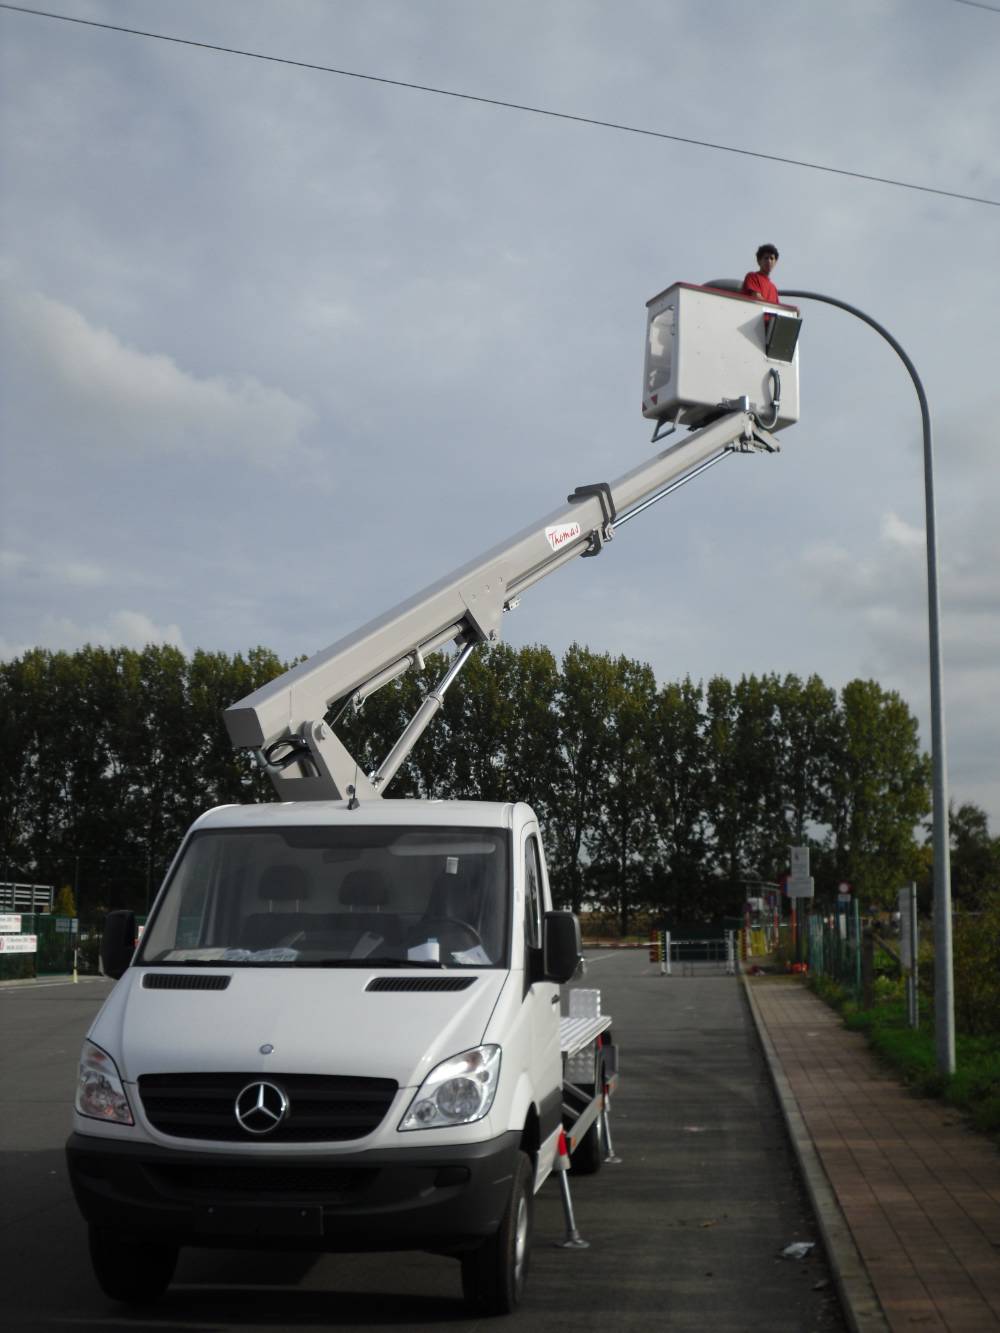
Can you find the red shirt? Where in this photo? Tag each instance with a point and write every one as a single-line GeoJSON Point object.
{"type": "Point", "coordinates": [761, 286]}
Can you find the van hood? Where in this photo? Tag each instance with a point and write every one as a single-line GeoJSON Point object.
{"type": "Point", "coordinates": [322, 1021]}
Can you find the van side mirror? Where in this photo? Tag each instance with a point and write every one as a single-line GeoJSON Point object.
{"type": "Point", "coordinates": [561, 946]}
{"type": "Point", "coordinates": [118, 942]}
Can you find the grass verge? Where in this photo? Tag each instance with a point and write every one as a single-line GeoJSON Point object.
{"type": "Point", "coordinates": [974, 1088]}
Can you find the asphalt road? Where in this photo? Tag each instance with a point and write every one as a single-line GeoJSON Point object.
{"type": "Point", "coordinates": [685, 1234]}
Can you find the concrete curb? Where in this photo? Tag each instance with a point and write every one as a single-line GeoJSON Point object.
{"type": "Point", "coordinates": [56, 979]}
{"type": "Point", "coordinates": [861, 1306]}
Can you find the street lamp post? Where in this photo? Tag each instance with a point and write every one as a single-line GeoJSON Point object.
{"type": "Point", "coordinates": [944, 997]}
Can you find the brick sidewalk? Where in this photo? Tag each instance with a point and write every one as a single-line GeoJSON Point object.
{"type": "Point", "coordinates": [919, 1193]}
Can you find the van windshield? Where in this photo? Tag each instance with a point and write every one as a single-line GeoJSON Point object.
{"type": "Point", "coordinates": [329, 896]}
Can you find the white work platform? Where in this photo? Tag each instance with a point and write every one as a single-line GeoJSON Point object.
{"type": "Point", "coordinates": [706, 347]}
{"type": "Point", "coordinates": [576, 1033]}
{"type": "Point", "coordinates": [583, 1023]}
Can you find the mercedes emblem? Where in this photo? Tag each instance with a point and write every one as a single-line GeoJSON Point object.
{"type": "Point", "coordinates": [261, 1107]}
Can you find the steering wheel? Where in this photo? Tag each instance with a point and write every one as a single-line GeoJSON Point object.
{"type": "Point", "coordinates": [449, 925]}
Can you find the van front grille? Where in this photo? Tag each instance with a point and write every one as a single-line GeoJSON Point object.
{"type": "Point", "coordinates": [321, 1107]}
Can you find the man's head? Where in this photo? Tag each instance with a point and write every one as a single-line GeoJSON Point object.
{"type": "Point", "coordinates": [767, 257]}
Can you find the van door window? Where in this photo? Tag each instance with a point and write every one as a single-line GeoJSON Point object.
{"type": "Point", "coordinates": [532, 894]}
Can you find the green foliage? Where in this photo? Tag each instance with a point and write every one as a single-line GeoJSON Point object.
{"type": "Point", "coordinates": [669, 800]}
{"type": "Point", "coordinates": [974, 1088]}
{"type": "Point", "coordinates": [680, 792]}
{"type": "Point", "coordinates": [976, 962]}
{"type": "Point", "coordinates": [17, 966]}
{"type": "Point", "coordinates": [65, 903]}
{"type": "Point", "coordinates": [879, 791]}
{"type": "Point", "coordinates": [889, 989]}
{"type": "Point", "coordinates": [623, 840]}
{"type": "Point", "coordinates": [112, 753]}
{"type": "Point", "coordinates": [975, 858]}
{"type": "Point", "coordinates": [976, 1083]}
{"type": "Point", "coordinates": [835, 995]}
{"type": "Point", "coordinates": [581, 702]}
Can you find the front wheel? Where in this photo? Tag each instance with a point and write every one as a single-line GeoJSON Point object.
{"type": "Point", "coordinates": [493, 1275]}
{"type": "Point", "coordinates": [131, 1269]}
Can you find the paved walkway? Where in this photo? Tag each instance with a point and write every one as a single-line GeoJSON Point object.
{"type": "Point", "coordinates": [908, 1198]}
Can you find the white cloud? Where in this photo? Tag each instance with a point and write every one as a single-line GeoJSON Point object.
{"type": "Point", "coordinates": [80, 574]}
{"type": "Point", "coordinates": [125, 628]}
{"type": "Point", "coordinates": [897, 532]}
{"type": "Point", "coordinates": [887, 585]}
{"type": "Point", "coordinates": [102, 391]}
{"type": "Point", "coordinates": [881, 582]}
{"type": "Point", "coordinates": [69, 572]}
{"type": "Point", "coordinates": [11, 563]}
{"type": "Point", "coordinates": [880, 598]}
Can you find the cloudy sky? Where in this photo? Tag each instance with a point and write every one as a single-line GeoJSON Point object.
{"type": "Point", "coordinates": [280, 346]}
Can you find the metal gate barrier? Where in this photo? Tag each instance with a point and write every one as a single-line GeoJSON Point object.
{"type": "Point", "coordinates": [698, 957]}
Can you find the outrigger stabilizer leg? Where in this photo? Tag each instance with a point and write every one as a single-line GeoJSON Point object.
{"type": "Point", "coordinates": [610, 1155]}
{"type": "Point", "coordinates": [572, 1240]}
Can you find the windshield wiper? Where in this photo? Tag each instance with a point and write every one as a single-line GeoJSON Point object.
{"type": "Point", "coordinates": [183, 962]}
{"type": "Point", "coordinates": [220, 962]}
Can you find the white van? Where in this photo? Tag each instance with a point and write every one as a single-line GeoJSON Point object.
{"type": "Point", "coordinates": [340, 1031]}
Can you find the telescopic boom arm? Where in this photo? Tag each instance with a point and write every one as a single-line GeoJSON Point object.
{"type": "Point", "coordinates": [288, 722]}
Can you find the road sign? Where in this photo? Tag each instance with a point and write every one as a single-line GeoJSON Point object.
{"type": "Point", "coordinates": [800, 882]}
{"type": "Point", "coordinates": [18, 943]}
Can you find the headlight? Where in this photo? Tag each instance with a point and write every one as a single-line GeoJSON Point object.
{"type": "Point", "coordinates": [99, 1091]}
{"type": "Point", "coordinates": [457, 1092]}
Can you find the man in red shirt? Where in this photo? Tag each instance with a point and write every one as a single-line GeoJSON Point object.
{"type": "Point", "coordinates": [759, 284]}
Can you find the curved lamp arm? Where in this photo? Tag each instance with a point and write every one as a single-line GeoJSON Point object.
{"type": "Point", "coordinates": [944, 1001]}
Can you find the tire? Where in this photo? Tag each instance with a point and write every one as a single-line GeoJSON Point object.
{"type": "Point", "coordinates": [494, 1274]}
{"type": "Point", "coordinates": [130, 1269]}
{"type": "Point", "coordinates": [588, 1156]}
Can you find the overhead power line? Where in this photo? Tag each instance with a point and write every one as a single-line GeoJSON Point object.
{"type": "Point", "coordinates": [509, 106]}
{"type": "Point", "coordinates": [977, 4]}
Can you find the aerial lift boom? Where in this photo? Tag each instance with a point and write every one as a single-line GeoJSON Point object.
{"type": "Point", "coordinates": [701, 345]}
{"type": "Point", "coordinates": [287, 723]}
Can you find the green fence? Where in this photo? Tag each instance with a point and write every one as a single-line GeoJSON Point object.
{"type": "Point", "coordinates": [835, 947]}
{"type": "Point", "coordinates": [55, 940]}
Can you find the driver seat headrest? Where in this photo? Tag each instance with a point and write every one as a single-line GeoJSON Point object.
{"type": "Point", "coordinates": [283, 883]}
{"type": "Point", "coordinates": [364, 888]}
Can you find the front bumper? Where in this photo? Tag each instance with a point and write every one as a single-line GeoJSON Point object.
{"type": "Point", "coordinates": [441, 1198]}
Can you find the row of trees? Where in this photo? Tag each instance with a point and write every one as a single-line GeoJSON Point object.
{"type": "Point", "coordinates": [671, 799]}
{"type": "Point", "coordinates": [109, 754]}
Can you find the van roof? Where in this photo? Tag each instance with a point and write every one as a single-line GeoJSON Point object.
{"type": "Point", "coordinates": [470, 814]}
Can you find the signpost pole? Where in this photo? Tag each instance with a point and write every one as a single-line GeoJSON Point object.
{"type": "Point", "coordinates": [800, 885]}
{"type": "Point", "coordinates": [915, 950]}
{"type": "Point", "coordinates": [907, 907]}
